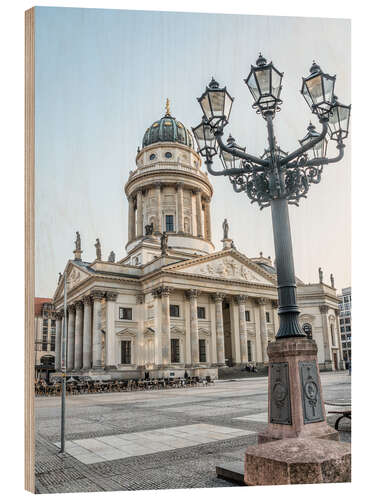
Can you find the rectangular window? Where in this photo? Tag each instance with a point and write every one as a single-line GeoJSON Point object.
{"type": "Point", "coordinates": [202, 351]}
{"type": "Point", "coordinates": [175, 351]}
{"type": "Point", "coordinates": [249, 350]}
{"type": "Point", "coordinates": [247, 315]}
{"type": "Point", "coordinates": [126, 352]}
{"type": "Point", "coordinates": [348, 328]}
{"type": "Point", "coordinates": [169, 223]}
{"type": "Point", "coordinates": [342, 329]}
{"type": "Point", "coordinates": [201, 312]}
{"type": "Point", "coordinates": [268, 320]}
{"type": "Point", "coordinates": [341, 321]}
{"type": "Point", "coordinates": [347, 320]}
{"type": "Point", "coordinates": [126, 313]}
{"type": "Point", "coordinates": [174, 311]}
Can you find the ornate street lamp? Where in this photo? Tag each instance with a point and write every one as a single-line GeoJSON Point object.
{"type": "Point", "coordinates": [277, 179]}
{"type": "Point", "coordinates": [216, 104]}
{"type": "Point", "coordinates": [264, 83]}
{"type": "Point", "coordinates": [320, 149]}
{"type": "Point", "coordinates": [206, 141]}
{"type": "Point", "coordinates": [338, 122]}
{"type": "Point", "coordinates": [318, 90]}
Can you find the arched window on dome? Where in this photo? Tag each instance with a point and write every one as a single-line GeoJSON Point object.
{"type": "Point", "coordinates": [187, 225]}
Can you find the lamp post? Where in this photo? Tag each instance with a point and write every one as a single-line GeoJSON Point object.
{"type": "Point", "coordinates": [277, 179]}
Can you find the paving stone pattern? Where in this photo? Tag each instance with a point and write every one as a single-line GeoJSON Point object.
{"type": "Point", "coordinates": [163, 439]}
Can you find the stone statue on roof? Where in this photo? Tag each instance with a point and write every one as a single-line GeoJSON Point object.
{"type": "Point", "coordinates": [98, 248]}
{"type": "Point", "coordinates": [225, 229]}
{"type": "Point", "coordinates": [164, 243]}
{"type": "Point", "coordinates": [332, 280]}
{"type": "Point", "coordinates": [112, 257]}
{"type": "Point", "coordinates": [320, 275]}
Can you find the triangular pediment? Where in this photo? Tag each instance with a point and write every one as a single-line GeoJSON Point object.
{"type": "Point", "coordinates": [227, 265]}
{"type": "Point", "coordinates": [127, 331]}
{"type": "Point", "coordinates": [75, 274]}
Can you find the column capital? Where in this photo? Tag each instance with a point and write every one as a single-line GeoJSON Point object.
{"type": "Point", "coordinates": [155, 293]}
{"type": "Point", "coordinates": [323, 309]}
{"type": "Point", "coordinates": [140, 298]}
{"type": "Point", "coordinates": [192, 293]}
{"type": "Point", "coordinates": [97, 294]}
{"type": "Point", "coordinates": [71, 308]}
{"type": "Point", "coordinates": [261, 301]}
{"type": "Point", "coordinates": [87, 299]}
{"type": "Point", "coordinates": [79, 305]}
{"type": "Point", "coordinates": [218, 297]}
{"type": "Point", "coordinates": [158, 185]}
{"type": "Point", "coordinates": [179, 185]}
{"type": "Point", "coordinates": [111, 296]}
{"type": "Point", "coordinates": [240, 299]}
{"type": "Point", "coordinates": [197, 191]}
{"type": "Point", "coordinates": [59, 315]}
{"type": "Point", "coordinates": [274, 304]}
{"type": "Point", "coordinates": [165, 291]}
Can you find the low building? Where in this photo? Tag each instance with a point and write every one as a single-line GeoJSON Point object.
{"type": "Point", "coordinates": [173, 304]}
{"type": "Point", "coordinates": [346, 323]}
{"type": "Point", "coordinates": [45, 335]}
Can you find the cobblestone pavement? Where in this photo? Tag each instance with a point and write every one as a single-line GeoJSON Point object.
{"type": "Point", "coordinates": [100, 415]}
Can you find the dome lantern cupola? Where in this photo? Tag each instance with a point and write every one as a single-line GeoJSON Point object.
{"type": "Point", "coordinates": [167, 129]}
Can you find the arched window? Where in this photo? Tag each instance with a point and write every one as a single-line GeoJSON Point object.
{"type": "Point", "coordinates": [307, 328]}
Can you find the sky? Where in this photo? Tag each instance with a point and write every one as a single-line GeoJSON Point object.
{"type": "Point", "coordinates": [103, 76]}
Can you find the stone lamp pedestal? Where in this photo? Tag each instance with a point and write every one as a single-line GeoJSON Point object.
{"type": "Point", "coordinates": [295, 405]}
{"type": "Point", "coordinates": [298, 445]}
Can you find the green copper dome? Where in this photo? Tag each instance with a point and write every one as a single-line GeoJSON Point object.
{"type": "Point", "coordinates": [167, 129]}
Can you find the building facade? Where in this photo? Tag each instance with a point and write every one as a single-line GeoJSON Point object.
{"type": "Point", "coordinates": [346, 323]}
{"type": "Point", "coordinates": [45, 337]}
{"type": "Point", "coordinates": [173, 304]}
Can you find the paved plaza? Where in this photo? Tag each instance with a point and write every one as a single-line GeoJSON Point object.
{"type": "Point", "coordinates": [158, 439]}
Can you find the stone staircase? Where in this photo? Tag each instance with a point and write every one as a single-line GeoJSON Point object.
{"type": "Point", "coordinates": [232, 372]}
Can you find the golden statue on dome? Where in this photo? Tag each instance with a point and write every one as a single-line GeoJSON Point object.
{"type": "Point", "coordinates": [167, 108]}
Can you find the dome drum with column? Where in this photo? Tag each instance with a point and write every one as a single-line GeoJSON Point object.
{"type": "Point", "coordinates": [169, 190]}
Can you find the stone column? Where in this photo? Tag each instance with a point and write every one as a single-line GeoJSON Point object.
{"type": "Point", "coordinates": [141, 346]}
{"type": "Point", "coordinates": [198, 209]}
{"type": "Point", "coordinates": [97, 297]}
{"type": "Point", "coordinates": [158, 224]}
{"type": "Point", "coordinates": [208, 219]}
{"type": "Point", "coordinates": [241, 299]}
{"type": "Point", "coordinates": [87, 333]}
{"type": "Point", "coordinates": [337, 315]}
{"type": "Point", "coordinates": [263, 327]}
{"type": "Point", "coordinates": [58, 341]}
{"type": "Point", "coordinates": [218, 299]}
{"type": "Point", "coordinates": [110, 341]}
{"type": "Point", "coordinates": [131, 219]}
{"type": "Point", "coordinates": [71, 324]}
{"type": "Point", "coordinates": [165, 326]}
{"type": "Point", "coordinates": [194, 338]}
{"type": "Point", "coordinates": [180, 207]}
{"type": "Point", "coordinates": [139, 214]}
{"type": "Point", "coordinates": [324, 313]}
{"type": "Point", "coordinates": [78, 341]}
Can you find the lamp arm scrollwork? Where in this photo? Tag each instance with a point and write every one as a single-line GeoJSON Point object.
{"type": "Point", "coordinates": [306, 147]}
{"type": "Point", "coordinates": [229, 171]}
{"type": "Point", "coordinates": [315, 162]}
{"type": "Point", "coordinates": [235, 152]}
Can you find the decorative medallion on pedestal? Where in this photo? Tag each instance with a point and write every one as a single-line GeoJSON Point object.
{"type": "Point", "coordinates": [280, 412]}
{"type": "Point", "coordinates": [311, 398]}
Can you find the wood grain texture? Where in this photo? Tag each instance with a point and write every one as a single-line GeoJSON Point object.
{"type": "Point", "coordinates": [29, 248]}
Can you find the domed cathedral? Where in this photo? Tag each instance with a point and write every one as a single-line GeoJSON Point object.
{"type": "Point", "coordinates": [173, 305]}
{"type": "Point", "coordinates": [168, 193]}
